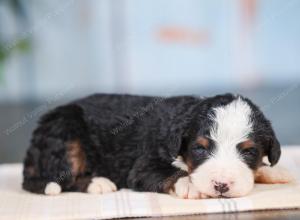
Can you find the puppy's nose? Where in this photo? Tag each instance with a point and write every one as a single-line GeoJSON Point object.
{"type": "Point", "coordinates": [221, 187]}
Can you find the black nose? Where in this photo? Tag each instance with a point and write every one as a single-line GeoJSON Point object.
{"type": "Point", "coordinates": [221, 187]}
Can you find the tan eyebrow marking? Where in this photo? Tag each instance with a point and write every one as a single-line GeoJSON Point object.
{"type": "Point", "coordinates": [202, 141]}
{"type": "Point", "coordinates": [246, 144]}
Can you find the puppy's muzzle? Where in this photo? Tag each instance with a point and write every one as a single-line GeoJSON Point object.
{"type": "Point", "coordinates": [221, 187]}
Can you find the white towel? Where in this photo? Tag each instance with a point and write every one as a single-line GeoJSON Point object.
{"type": "Point", "coordinates": [18, 204]}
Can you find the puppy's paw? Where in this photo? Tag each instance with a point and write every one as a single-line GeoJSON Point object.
{"type": "Point", "coordinates": [100, 185]}
{"type": "Point", "coordinates": [52, 189]}
{"type": "Point", "coordinates": [184, 189]}
{"type": "Point", "coordinates": [273, 175]}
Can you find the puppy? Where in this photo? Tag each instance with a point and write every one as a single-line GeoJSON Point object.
{"type": "Point", "coordinates": [188, 146]}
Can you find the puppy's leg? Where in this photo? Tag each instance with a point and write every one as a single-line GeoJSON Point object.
{"type": "Point", "coordinates": [52, 189]}
{"type": "Point", "coordinates": [56, 157]}
{"type": "Point", "coordinates": [100, 185]}
{"type": "Point", "coordinates": [272, 175]}
{"type": "Point", "coordinates": [184, 189]}
{"type": "Point", "coordinates": [155, 175]}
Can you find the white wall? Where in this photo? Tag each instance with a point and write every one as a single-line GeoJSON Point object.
{"type": "Point", "coordinates": [93, 45]}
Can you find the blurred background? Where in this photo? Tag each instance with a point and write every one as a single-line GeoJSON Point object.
{"type": "Point", "coordinates": [53, 51]}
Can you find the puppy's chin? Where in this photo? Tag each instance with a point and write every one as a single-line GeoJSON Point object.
{"type": "Point", "coordinates": [233, 179]}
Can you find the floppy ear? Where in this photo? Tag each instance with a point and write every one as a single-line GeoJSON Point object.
{"type": "Point", "coordinates": [177, 132]}
{"type": "Point", "coordinates": [174, 144]}
{"type": "Point", "coordinates": [273, 150]}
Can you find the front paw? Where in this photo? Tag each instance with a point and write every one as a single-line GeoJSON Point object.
{"type": "Point", "coordinates": [101, 185]}
{"type": "Point", "coordinates": [184, 189]}
{"type": "Point", "coordinates": [272, 175]}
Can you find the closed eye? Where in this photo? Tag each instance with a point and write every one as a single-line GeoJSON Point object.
{"type": "Point", "coordinates": [199, 150]}
{"type": "Point", "coordinates": [202, 142]}
{"type": "Point", "coordinates": [250, 153]}
{"type": "Point", "coordinates": [199, 147]}
{"type": "Point", "coordinates": [247, 148]}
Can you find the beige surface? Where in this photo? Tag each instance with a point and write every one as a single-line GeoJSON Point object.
{"type": "Point", "coordinates": [17, 204]}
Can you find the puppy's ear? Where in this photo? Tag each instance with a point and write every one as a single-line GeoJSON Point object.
{"type": "Point", "coordinates": [273, 150]}
{"type": "Point", "coordinates": [178, 133]}
{"type": "Point", "coordinates": [175, 144]}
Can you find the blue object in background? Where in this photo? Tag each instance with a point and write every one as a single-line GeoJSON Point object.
{"type": "Point", "coordinates": [153, 47]}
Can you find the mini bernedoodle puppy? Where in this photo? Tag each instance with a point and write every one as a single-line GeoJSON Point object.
{"type": "Point", "coordinates": [187, 146]}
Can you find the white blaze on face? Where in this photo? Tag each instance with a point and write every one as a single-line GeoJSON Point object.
{"type": "Point", "coordinates": [231, 126]}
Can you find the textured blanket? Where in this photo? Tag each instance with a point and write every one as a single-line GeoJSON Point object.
{"type": "Point", "coordinates": [18, 204]}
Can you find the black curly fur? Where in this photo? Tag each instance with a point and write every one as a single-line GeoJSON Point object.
{"type": "Point", "coordinates": [132, 140]}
